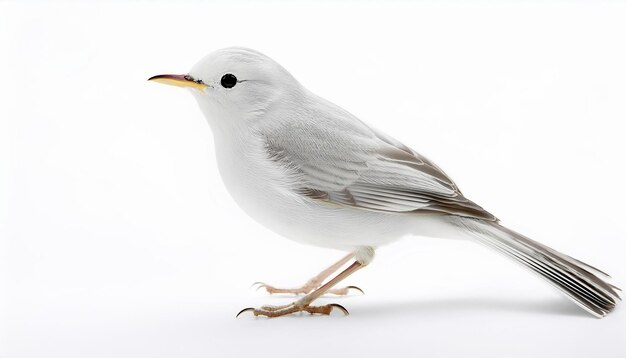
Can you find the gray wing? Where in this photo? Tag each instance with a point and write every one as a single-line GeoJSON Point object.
{"type": "Point", "coordinates": [349, 164]}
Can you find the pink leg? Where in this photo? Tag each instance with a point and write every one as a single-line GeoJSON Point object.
{"type": "Point", "coordinates": [315, 282]}
{"type": "Point", "coordinates": [303, 304]}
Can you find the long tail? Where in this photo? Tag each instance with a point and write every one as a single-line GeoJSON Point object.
{"type": "Point", "coordinates": [582, 283]}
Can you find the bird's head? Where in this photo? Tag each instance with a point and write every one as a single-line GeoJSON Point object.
{"type": "Point", "coordinates": [235, 84]}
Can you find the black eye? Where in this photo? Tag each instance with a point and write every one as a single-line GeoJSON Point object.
{"type": "Point", "coordinates": [229, 80]}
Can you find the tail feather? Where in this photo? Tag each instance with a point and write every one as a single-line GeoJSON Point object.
{"type": "Point", "coordinates": [582, 283]}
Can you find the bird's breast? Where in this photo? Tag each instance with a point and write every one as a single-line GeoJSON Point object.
{"type": "Point", "coordinates": [254, 183]}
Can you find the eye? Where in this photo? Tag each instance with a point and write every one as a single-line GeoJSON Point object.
{"type": "Point", "coordinates": [229, 80]}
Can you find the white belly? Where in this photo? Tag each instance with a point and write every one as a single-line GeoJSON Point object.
{"type": "Point", "coordinates": [260, 192]}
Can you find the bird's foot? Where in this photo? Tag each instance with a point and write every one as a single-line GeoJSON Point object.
{"type": "Point", "coordinates": [307, 288]}
{"type": "Point", "coordinates": [278, 311]}
{"type": "Point", "coordinates": [304, 304]}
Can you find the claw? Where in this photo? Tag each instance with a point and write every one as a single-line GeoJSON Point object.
{"type": "Point", "coordinates": [245, 310]}
{"type": "Point", "coordinates": [342, 308]}
{"type": "Point", "coordinates": [260, 285]}
{"type": "Point", "coordinates": [355, 288]}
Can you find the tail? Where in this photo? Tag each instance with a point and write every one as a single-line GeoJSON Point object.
{"type": "Point", "coordinates": [582, 283]}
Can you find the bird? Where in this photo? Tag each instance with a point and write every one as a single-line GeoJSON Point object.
{"type": "Point", "coordinates": [314, 173]}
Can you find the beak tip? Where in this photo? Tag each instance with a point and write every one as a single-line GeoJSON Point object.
{"type": "Point", "coordinates": [178, 81]}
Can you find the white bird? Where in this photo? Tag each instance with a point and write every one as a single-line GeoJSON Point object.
{"type": "Point", "coordinates": [314, 173]}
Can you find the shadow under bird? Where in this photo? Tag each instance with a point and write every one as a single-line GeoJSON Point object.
{"type": "Point", "coordinates": [312, 172]}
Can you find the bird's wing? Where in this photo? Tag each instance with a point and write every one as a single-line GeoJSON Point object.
{"type": "Point", "coordinates": [346, 163]}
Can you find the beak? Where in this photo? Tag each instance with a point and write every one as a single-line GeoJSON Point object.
{"type": "Point", "coordinates": [179, 81]}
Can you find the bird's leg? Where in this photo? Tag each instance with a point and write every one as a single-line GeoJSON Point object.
{"type": "Point", "coordinates": [303, 304]}
{"type": "Point", "coordinates": [315, 282]}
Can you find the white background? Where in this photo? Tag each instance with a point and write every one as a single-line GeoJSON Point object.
{"type": "Point", "coordinates": [117, 238]}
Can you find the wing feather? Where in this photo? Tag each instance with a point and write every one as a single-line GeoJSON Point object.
{"type": "Point", "coordinates": [343, 162]}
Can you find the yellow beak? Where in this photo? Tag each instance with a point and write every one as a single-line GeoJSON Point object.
{"type": "Point", "coordinates": [179, 81]}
